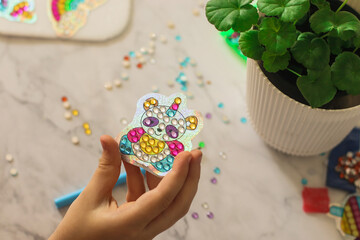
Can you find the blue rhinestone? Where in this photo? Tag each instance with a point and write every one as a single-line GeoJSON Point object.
{"type": "Point", "coordinates": [217, 170]}
{"type": "Point", "coordinates": [243, 120]}
{"type": "Point", "coordinates": [159, 165]}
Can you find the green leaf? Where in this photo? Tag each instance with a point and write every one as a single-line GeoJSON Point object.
{"type": "Point", "coordinates": [287, 10]}
{"type": "Point", "coordinates": [239, 15]}
{"type": "Point", "coordinates": [317, 87]}
{"type": "Point", "coordinates": [335, 45]}
{"type": "Point", "coordinates": [250, 45]}
{"type": "Point", "coordinates": [321, 3]}
{"type": "Point", "coordinates": [311, 51]}
{"type": "Point", "coordinates": [344, 24]}
{"type": "Point", "coordinates": [274, 62]}
{"type": "Point", "coordinates": [277, 36]}
{"type": "Point", "coordinates": [346, 73]}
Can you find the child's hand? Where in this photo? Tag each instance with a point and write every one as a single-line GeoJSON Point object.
{"type": "Point", "coordinates": [95, 214]}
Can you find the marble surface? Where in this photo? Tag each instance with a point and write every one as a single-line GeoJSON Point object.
{"type": "Point", "coordinates": [258, 194]}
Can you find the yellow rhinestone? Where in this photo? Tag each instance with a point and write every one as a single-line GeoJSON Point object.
{"type": "Point", "coordinates": [75, 112]}
{"type": "Point", "coordinates": [152, 141]}
{"type": "Point", "coordinates": [145, 138]}
{"type": "Point", "coordinates": [192, 126]}
{"type": "Point", "coordinates": [155, 149]}
{"type": "Point", "coordinates": [148, 149]}
{"type": "Point", "coordinates": [161, 144]}
{"type": "Point", "coordinates": [192, 119]}
{"type": "Point", "coordinates": [177, 100]}
{"type": "Point", "coordinates": [88, 132]}
{"type": "Point", "coordinates": [142, 144]}
{"type": "Point", "coordinates": [351, 220]}
{"type": "Point", "coordinates": [86, 126]}
{"type": "Point", "coordinates": [152, 101]}
{"type": "Point", "coordinates": [147, 104]}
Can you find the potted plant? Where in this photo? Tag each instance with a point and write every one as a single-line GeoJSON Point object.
{"type": "Point", "coordinates": [303, 79]}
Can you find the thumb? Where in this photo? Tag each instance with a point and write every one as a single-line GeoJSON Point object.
{"type": "Point", "coordinates": [108, 171]}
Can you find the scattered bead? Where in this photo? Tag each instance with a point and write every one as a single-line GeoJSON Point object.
{"type": "Point", "coordinates": [9, 157]}
{"type": "Point", "coordinates": [155, 89]}
{"type": "Point", "coordinates": [217, 170]}
{"type": "Point", "coordinates": [152, 44]}
{"type": "Point", "coordinates": [142, 60]}
{"type": "Point", "coordinates": [225, 119]}
{"type": "Point", "coordinates": [75, 140]}
{"type": "Point", "coordinates": [200, 82]}
{"type": "Point", "coordinates": [193, 63]}
{"type": "Point", "coordinates": [126, 58]}
{"type": "Point", "coordinates": [124, 76]}
{"type": "Point", "coordinates": [124, 121]}
{"type": "Point", "coordinates": [190, 95]}
{"type": "Point", "coordinates": [108, 86]}
{"type": "Point", "coordinates": [14, 172]}
{"type": "Point", "coordinates": [201, 3]}
{"type": "Point", "coordinates": [138, 54]}
{"type": "Point", "coordinates": [132, 54]}
{"type": "Point", "coordinates": [66, 105]}
{"type": "Point", "coordinates": [201, 145]}
{"type": "Point", "coordinates": [153, 36]}
{"type": "Point", "coordinates": [88, 131]}
{"type": "Point", "coordinates": [243, 120]}
{"type": "Point", "coordinates": [210, 215]}
{"type": "Point", "coordinates": [208, 115]}
{"type": "Point", "coordinates": [75, 112]}
{"type": "Point", "coordinates": [178, 38]}
{"type": "Point", "coordinates": [143, 51]}
{"type": "Point", "coordinates": [171, 25]}
{"type": "Point", "coordinates": [67, 115]}
{"type": "Point", "coordinates": [195, 215]}
{"type": "Point", "coordinates": [64, 99]}
{"type": "Point", "coordinates": [221, 105]}
{"type": "Point", "coordinates": [152, 61]}
{"type": "Point", "coordinates": [171, 84]}
{"type": "Point", "coordinates": [163, 39]}
{"type": "Point", "coordinates": [213, 180]}
{"type": "Point", "coordinates": [151, 51]}
{"type": "Point", "coordinates": [223, 155]}
{"type": "Point", "coordinates": [304, 181]}
{"type": "Point", "coordinates": [126, 64]}
{"type": "Point", "coordinates": [196, 12]}
{"type": "Point", "coordinates": [117, 83]}
{"type": "Point", "coordinates": [199, 75]}
{"type": "Point", "coordinates": [205, 205]}
{"type": "Point", "coordinates": [139, 65]}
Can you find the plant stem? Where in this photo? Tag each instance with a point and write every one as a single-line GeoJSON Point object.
{"type": "Point", "coordinates": [342, 5]}
{"type": "Point", "coordinates": [355, 50]}
{"type": "Point", "coordinates": [325, 35]}
{"type": "Point", "coordinates": [292, 71]}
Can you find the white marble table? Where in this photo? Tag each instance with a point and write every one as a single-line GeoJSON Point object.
{"type": "Point", "coordinates": [258, 194]}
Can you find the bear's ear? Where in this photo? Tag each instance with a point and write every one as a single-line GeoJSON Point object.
{"type": "Point", "coordinates": [191, 122]}
{"type": "Point", "coordinates": [150, 102]}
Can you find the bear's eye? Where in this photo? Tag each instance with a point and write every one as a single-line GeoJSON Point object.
{"type": "Point", "coordinates": [172, 131]}
{"type": "Point", "coordinates": [150, 121]}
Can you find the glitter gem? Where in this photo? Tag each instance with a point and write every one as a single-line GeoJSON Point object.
{"type": "Point", "coordinates": [210, 215]}
{"type": "Point", "coordinates": [132, 54]}
{"type": "Point", "coordinates": [64, 99]}
{"type": "Point", "coordinates": [9, 157]}
{"type": "Point", "coordinates": [14, 172]}
{"type": "Point", "coordinates": [117, 82]}
{"type": "Point", "coordinates": [217, 170]}
{"type": "Point", "coordinates": [221, 105]}
{"type": "Point", "coordinates": [66, 105]}
{"type": "Point", "coordinates": [208, 115]}
{"type": "Point", "coordinates": [86, 125]}
{"type": "Point", "coordinates": [171, 25]}
{"type": "Point", "coordinates": [124, 76]}
{"type": "Point", "coordinates": [304, 181]}
{"type": "Point", "coordinates": [205, 205]}
{"type": "Point", "coordinates": [178, 38]}
{"type": "Point", "coordinates": [222, 155]}
{"type": "Point", "coordinates": [67, 115]}
{"type": "Point", "coordinates": [139, 65]}
{"type": "Point", "coordinates": [243, 120]}
{"type": "Point", "coordinates": [195, 215]}
{"type": "Point", "coordinates": [75, 112]}
{"type": "Point", "coordinates": [124, 121]}
{"type": "Point", "coordinates": [88, 131]}
{"type": "Point", "coordinates": [201, 144]}
{"type": "Point", "coordinates": [75, 140]}
{"type": "Point", "coordinates": [213, 180]}
{"type": "Point", "coordinates": [108, 86]}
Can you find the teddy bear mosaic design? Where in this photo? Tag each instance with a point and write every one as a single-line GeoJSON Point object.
{"type": "Point", "coordinates": [161, 129]}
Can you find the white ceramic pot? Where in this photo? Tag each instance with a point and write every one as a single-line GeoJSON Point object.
{"type": "Point", "coordinates": [290, 126]}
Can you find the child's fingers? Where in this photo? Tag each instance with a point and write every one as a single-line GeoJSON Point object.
{"type": "Point", "coordinates": [105, 176]}
{"type": "Point", "coordinates": [180, 206]}
{"type": "Point", "coordinates": [152, 180]}
{"type": "Point", "coordinates": [154, 202]}
{"type": "Point", "coordinates": [134, 181]}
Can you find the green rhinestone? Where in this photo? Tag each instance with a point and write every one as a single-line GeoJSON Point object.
{"type": "Point", "coordinates": [201, 144]}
